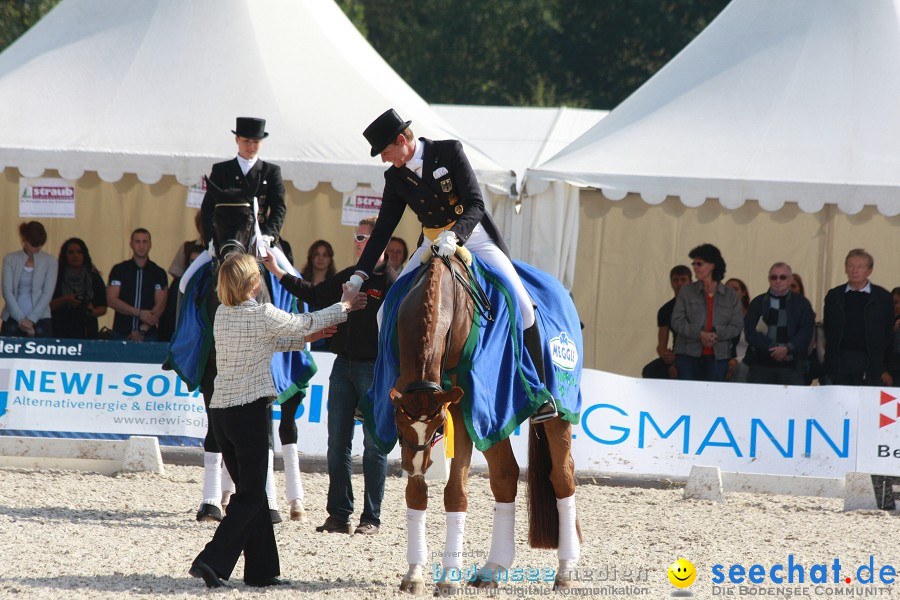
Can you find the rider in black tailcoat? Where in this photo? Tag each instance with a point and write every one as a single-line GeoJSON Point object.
{"type": "Point", "coordinates": [247, 171]}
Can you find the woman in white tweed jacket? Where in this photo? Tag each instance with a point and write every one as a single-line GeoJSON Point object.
{"type": "Point", "coordinates": [246, 334]}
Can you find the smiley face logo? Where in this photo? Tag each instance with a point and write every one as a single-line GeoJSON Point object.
{"type": "Point", "coordinates": [682, 573]}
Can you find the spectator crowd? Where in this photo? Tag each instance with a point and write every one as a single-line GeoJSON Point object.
{"type": "Point", "coordinates": [716, 331]}
{"type": "Point", "coordinates": [65, 296]}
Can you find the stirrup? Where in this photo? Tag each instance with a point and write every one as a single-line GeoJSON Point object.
{"type": "Point", "coordinates": [545, 412]}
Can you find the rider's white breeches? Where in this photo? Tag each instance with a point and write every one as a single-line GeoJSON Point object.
{"type": "Point", "coordinates": [481, 245]}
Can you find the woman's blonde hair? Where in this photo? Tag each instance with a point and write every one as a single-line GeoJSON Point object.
{"type": "Point", "coordinates": [238, 275]}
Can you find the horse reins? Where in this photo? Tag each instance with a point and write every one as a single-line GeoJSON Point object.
{"type": "Point", "coordinates": [471, 286]}
{"type": "Point", "coordinates": [482, 304]}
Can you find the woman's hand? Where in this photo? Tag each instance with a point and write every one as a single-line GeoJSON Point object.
{"type": "Point", "coordinates": [271, 265]}
{"type": "Point", "coordinates": [708, 338]}
{"type": "Point", "coordinates": [27, 326]}
{"type": "Point", "coordinates": [322, 333]}
{"type": "Point", "coordinates": [353, 301]}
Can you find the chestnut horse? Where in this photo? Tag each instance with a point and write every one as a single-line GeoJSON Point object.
{"type": "Point", "coordinates": [434, 322]}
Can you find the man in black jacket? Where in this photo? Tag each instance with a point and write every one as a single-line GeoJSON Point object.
{"type": "Point", "coordinates": [778, 327]}
{"type": "Point", "coordinates": [355, 345]}
{"type": "Point", "coordinates": [435, 180]}
{"type": "Point", "coordinates": [858, 324]}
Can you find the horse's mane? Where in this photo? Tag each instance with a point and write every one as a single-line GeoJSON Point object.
{"type": "Point", "coordinates": [426, 317]}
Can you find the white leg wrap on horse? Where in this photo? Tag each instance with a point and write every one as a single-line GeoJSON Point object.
{"type": "Point", "coordinates": [569, 549]}
{"type": "Point", "coordinates": [416, 549]}
{"type": "Point", "coordinates": [293, 486]}
{"type": "Point", "coordinates": [270, 482]}
{"type": "Point", "coordinates": [503, 540]}
{"type": "Point", "coordinates": [212, 473]}
{"type": "Point", "coordinates": [456, 527]}
{"type": "Point", "coordinates": [228, 486]}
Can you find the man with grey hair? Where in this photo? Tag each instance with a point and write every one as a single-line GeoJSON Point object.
{"type": "Point", "coordinates": [858, 325]}
{"type": "Point", "coordinates": [778, 327]}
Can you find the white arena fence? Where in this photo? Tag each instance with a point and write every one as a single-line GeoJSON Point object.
{"type": "Point", "coordinates": [629, 427]}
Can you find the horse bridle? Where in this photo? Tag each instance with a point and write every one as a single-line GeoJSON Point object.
{"type": "Point", "coordinates": [424, 386]}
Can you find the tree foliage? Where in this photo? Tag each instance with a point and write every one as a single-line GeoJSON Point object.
{"type": "Point", "coordinates": [589, 53]}
{"type": "Point", "coordinates": [16, 16]}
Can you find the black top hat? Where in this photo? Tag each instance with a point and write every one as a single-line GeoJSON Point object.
{"type": "Point", "coordinates": [250, 128]}
{"type": "Point", "coordinates": [384, 130]}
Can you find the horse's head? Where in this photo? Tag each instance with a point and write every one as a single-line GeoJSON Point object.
{"type": "Point", "coordinates": [419, 411]}
{"type": "Point", "coordinates": [233, 220]}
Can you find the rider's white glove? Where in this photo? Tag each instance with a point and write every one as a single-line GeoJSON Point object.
{"type": "Point", "coordinates": [446, 243]}
{"type": "Point", "coordinates": [268, 239]}
{"type": "Point", "coordinates": [353, 285]}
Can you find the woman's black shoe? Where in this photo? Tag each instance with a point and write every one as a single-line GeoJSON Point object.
{"type": "Point", "coordinates": [201, 569]}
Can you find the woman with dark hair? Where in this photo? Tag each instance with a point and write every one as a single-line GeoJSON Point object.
{"type": "Point", "coordinates": [396, 253]}
{"type": "Point", "coordinates": [28, 279]}
{"type": "Point", "coordinates": [319, 262]}
{"type": "Point", "coordinates": [707, 319]}
{"type": "Point", "coordinates": [80, 294]}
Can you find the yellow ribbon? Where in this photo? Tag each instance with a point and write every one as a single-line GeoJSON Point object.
{"type": "Point", "coordinates": [448, 434]}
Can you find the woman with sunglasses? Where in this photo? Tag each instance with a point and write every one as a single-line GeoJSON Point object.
{"type": "Point", "coordinates": [707, 318]}
{"type": "Point", "coordinates": [779, 326]}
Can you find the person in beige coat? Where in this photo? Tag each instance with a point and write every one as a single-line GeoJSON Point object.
{"type": "Point", "coordinates": [29, 278]}
{"type": "Point", "coordinates": [246, 334]}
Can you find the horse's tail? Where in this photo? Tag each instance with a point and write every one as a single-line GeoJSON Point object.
{"type": "Point", "coordinates": [543, 519]}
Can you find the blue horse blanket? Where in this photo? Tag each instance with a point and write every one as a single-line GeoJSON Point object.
{"type": "Point", "coordinates": [193, 339]}
{"type": "Point", "coordinates": [500, 384]}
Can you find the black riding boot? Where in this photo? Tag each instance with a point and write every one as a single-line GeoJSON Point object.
{"type": "Point", "coordinates": [534, 346]}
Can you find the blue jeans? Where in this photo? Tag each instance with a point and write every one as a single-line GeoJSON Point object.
{"type": "Point", "coordinates": [701, 368]}
{"type": "Point", "coordinates": [348, 384]}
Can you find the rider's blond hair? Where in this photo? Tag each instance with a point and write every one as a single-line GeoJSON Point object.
{"type": "Point", "coordinates": [238, 275]}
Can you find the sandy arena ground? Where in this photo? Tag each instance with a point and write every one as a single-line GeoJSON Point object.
{"type": "Point", "coordinates": [83, 535]}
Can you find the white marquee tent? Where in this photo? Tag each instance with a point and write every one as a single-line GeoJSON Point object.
{"type": "Point", "coordinates": [544, 233]}
{"type": "Point", "coordinates": [149, 86]}
{"type": "Point", "coordinates": [135, 100]}
{"type": "Point", "coordinates": [785, 112]}
{"type": "Point", "coordinates": [776, 101]}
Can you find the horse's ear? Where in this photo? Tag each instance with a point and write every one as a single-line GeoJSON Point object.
{"type": "Point", "coordinates": [452, 396]}
{"type": "Point", "coordinates": [394, 396]}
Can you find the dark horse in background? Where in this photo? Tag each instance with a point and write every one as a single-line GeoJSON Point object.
{"type": "Point", "coordinates": [434, 322]}
{"type": "Point", "coordinates": [233, 232]}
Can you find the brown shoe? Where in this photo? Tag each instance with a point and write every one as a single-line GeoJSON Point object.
{"type": "Point", "coordinates": [332, 525]}
{"type": "Point", "coordinates": [366, 529]}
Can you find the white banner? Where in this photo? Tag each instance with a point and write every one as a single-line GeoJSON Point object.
{"type": "Point", "coordinates": [46, 197]}
{"type": "Point", "coordinates": [195, 194]}
{"type": "Point", "coordinates": [360, 203]}
{"type": "Point", "coordinates": [629, 427]}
